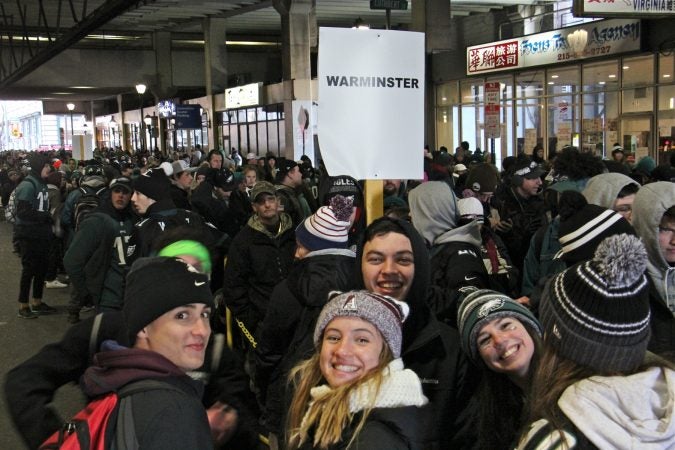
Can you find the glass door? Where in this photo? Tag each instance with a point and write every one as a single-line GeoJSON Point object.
{"type": "Point", "coordinates": [636, 136]}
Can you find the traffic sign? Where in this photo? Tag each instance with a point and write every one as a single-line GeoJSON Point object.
{"type": "Point", "coordinates": [389, 4]}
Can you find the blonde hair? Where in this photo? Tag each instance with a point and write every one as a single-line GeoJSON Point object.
{"type": "Point", "coordinates": [329, 415]}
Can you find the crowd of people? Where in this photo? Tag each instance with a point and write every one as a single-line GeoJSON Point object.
{"type": "Point", "coordinates": [527, 307]}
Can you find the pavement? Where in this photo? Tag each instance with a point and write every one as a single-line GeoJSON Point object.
{"type": "Point", "coordinates": [21, 338]}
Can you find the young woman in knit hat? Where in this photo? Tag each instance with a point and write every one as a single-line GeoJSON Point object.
{"type": "Point", "coordinates": [354, 392]}
{"type": "Point", "coordinates": [593, 387]}
{"type": "Point", "coordinates": [503, 338]}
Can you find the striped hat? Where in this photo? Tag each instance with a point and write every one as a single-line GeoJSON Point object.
{"type": "Point", "coordinates": [328, 227]}
{"type": "Point", "coordinates": [580, 234]}
{"type": "Point", "coordinates": [596, 313]}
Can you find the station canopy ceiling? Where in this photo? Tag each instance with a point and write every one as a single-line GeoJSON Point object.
{"type": "Point", "coordinates": [34, 31]}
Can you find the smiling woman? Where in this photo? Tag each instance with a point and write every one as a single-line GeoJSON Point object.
{"type": "Point", "coordinates": [358, 339]}
{"type": "Point", "coordinates": [503, 338]}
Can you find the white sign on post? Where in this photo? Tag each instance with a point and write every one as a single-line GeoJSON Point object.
{"type": "Point", "coordinates": [492, 126]}
{"type": "Point", "coordinates": [371, 103]}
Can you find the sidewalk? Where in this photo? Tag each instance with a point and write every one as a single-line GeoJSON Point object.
{"type": "Point", "coordinates": [20, 339]}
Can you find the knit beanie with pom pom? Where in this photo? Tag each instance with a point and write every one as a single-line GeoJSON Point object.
{"type": "Point", "coordinates": [328, 227]}
{"type": "Point", "coordinates": [596, 313]}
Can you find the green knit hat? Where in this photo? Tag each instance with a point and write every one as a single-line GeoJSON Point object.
{"type": "Point", "coordinates": [483, 306]}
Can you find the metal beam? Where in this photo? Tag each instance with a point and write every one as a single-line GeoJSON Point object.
{"type": "Point", "coordinates": [89, 23]}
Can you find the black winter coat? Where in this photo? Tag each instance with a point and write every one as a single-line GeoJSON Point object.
{"type": "Point", "coordinates": [454, 266]}
{"type": "Point", "coordinates": [662, 340]}
{"type": "Point", "coordinates": [385, 429]}
{"type": "Point", "coordinates": [285, 336]}
{"type": "Point", "coordinates": [256, 262]}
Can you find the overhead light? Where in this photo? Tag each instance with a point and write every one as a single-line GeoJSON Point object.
{"type": "Point", "coordinates": [601, 82]}
{"type": "Point", "coordinates": [555, 76]}
{"type": "Point", "coordinates": [444, 99]}
{"type": "Point", "coordinates": [666, 75]}
{"type": "Point", "coordinates": [62, 93]}
{"type": "Point", "coordinates": [140, 88]}
{"type": "Point", "coordinates": [359, 24]}
{"type": "Point", "coordinates": [626, 67]}
{"type": "Point", "coordinates": [611, 75]}
{"type": "Point", "coordinates": [551, 82]}
{"type": "Point", "coordinates": [70, 106]}
{"type": "Point", "coordinates": [83, 87]}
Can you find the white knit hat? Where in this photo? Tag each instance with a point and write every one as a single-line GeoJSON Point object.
{"type": "Point", "coordinates": [328, 227]}
{"type": "Point", "coordinates": [469, 207]}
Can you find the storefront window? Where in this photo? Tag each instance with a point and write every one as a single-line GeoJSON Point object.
{"type": "Point", "coordinates": [528, 112]}
{"type": "Point", "coordinates": [637, 78]}
{"type": "Point", "coordinates": [600, 106]}
{"type": "Point", "coordinates": [472, 112]}
{"type": "Point", "coordinates": [447, 94]}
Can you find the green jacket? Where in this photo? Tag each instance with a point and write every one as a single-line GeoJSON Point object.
{"type": "Point", "coordinates": [95, 260]}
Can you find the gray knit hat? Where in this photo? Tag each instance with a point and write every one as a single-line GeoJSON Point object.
{"type": "Point", "coordinates": [596, 313]}
{"type": "Point", "coordinates": [386, 313]}
{"type": "Point", "coordinates": [483, 306]}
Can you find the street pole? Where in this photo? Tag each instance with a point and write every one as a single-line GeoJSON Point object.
{"type": "Point", "coordinates": [140, 88]}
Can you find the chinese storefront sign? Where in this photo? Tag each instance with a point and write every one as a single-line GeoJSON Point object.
{"type": "Point", "coordinates": [601, 38]}
{"type": "Point", "coordinates": [492, 126]}
{"type": "Point", "coordinates": [616, 8]}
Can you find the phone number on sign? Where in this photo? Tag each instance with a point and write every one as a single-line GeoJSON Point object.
{"type": "Point", "coordinates": [589, 52]}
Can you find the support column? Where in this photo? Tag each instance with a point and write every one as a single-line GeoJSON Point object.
{"type": "Point", "coordinates": [432, 18]}
{"type": "Point", "coordinates": [122, 131]}
{"type": "Point", "coordinates": [215, 74]}
{"type": "Point", "coordinates": [299, 35]}
{"type": "Point", "coordinates": [164, 64]}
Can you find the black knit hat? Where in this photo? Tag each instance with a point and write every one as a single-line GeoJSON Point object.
{"type": "Point", "coordinates": [583, 226]}
{"type": "Point", "coordinates": [596, 313]}
{"type": "Point", "coordinates": [153, 184]}
{"type": "Point", "coordinates": [157, 285]}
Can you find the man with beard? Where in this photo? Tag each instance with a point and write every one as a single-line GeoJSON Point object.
{"type": "Point", "coordinates": [96, 259]}
{"type": "Point", "coordinates": [259, 257]}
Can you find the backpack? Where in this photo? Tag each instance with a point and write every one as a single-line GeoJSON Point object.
{"type": "Point", "coordinates": [87, 202]}
{"type": "Point", "coordinates": [105, 421]}
{"type": "Point", "coordinates": [10, 209]}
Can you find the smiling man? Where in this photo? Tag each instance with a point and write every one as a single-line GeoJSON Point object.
{"type": "Point", "coordinates": [167, 305]}
{"type": "Point", "coordinates": [393, 260]}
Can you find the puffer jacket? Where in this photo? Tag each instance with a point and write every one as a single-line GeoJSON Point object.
{"type": "Point", "coordinates": [285, 336]}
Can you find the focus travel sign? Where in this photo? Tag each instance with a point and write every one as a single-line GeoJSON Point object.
{"type": "Point", "coordinates": [607, 37]}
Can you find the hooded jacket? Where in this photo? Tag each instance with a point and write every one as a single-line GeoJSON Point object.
{"type": "Point", "coordinates": [456, 258]}
{"type": "Point", "coordinates": [432, 350]}
{"type": "Point", "coordinates": [651, 202]}
{"type": "Point", "coordinates": [163, 418]}
{"type": "Point", "coordinates": [286, 335]}
{"type": "Point", "coordinates": [635, 411]}
{"type": "Point", "coordinates": [603, 189]}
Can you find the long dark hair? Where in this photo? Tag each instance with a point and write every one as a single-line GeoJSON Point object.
{"type": "Point", "coordinates": [502, 407]}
